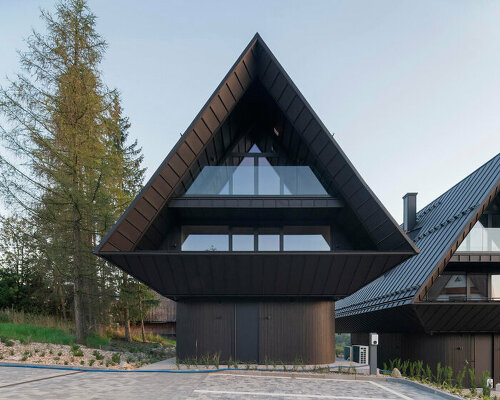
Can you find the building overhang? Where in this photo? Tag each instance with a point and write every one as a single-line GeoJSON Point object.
{"type": "Point", "coordinates": [179, 275]}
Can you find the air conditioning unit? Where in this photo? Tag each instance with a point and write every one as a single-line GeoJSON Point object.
{"type": "Point", "coordinates": [347, 353]}
{"type": "Point", "coordinates": [359, 354]}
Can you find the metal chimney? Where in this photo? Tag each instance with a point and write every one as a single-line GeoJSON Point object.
{"type": "Point", "coordinates": [409, 211]}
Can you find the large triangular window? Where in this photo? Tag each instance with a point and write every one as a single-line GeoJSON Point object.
{"type": "Point", "coordinates": [256, 173]}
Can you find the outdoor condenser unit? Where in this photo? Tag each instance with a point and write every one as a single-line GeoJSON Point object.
{"type": "Point", "coordinates": [347, 353]}
{"type": "Point", "coordinates": [360, 354]}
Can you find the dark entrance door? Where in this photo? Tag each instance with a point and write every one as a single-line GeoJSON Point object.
{"type": "Point", "coordinates": [247, 332]}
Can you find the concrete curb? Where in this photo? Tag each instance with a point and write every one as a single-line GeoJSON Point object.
{"type": "Point", "coordinates": [425, 388]}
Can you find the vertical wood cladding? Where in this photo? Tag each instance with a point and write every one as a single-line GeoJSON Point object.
{"type": "Point", "coordinates": [286, 331]}
{"type": "Point", "coordinates": [205, 329]}
{"type": "Point", "coordinates": [479, 351]}
{"type": "Point", "coordinates": [292, 331]}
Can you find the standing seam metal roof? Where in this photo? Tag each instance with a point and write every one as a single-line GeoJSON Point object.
{"type": "Point", "coordinates": [440, 225]}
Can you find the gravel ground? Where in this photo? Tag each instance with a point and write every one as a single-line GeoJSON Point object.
{"type": "Point", "coordinates": [58, 354]}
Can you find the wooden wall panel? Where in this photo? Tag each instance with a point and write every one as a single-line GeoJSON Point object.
{"type": "Point", "coordinates": [478, 351]}
{"type": "Point", "coordinates": [205, 329]}
{"type": "Point", "coordinates": [293, 331]}
{"type": "Point", "coordinates": [287, 331]}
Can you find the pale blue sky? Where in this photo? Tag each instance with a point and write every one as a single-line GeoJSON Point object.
{"type": "Point", "coordinates": [411, 89]}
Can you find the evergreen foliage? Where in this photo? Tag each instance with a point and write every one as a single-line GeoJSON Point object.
{"type": "Point", "coordinates": [68, 170]}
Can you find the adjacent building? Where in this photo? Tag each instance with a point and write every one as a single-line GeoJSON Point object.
{"type": "Point", "coordinates": [255, 223]}
{"type": "Point", "coordinates": [443, 305]}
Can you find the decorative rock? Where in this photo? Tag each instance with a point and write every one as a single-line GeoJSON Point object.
{"type": "Point", "coordinates": [395, 373]}
{"type": "Point", "coordinates": [125, 365]}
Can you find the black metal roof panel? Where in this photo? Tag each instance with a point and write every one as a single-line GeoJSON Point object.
{"type": "Point", "coordinates": [441, 227]}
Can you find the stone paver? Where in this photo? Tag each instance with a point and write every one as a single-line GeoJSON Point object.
{"type": "Point", "coordinates": [232, 386]}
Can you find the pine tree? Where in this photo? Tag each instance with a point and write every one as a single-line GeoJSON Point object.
{"type": "Point", "coordinates": [67, 165]}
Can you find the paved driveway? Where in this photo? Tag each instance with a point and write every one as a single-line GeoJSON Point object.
{"type": "Point", "coordinates": [22, 383]}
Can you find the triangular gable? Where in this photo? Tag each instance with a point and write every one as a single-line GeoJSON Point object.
{"type": "Point", "coordinates": [255, 64]}
{"type": "Point", "coordinates": [441, 227]}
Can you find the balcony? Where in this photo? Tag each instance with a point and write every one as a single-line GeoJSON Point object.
{"type": "Point", "coordinates": [481, 239]}
{"type": "Point", "coordinates": [256, 180]}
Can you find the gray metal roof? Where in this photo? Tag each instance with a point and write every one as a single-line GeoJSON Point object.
{"type": "Point", "coordinates": [441, 227]}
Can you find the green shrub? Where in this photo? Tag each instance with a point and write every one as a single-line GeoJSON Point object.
{"type": "Point", "coordinates": [97, 355]}
{"type": "Point", "coordinates": [427, 374]}
{"type": "Point", "coordinates": [439, 374]}
{"type": "Point", "coordinates": [413, 367]}
{"type": "Point", "coordinates": [448, 376]}
{"type": "Point", "coordinates": [115, 358]}
{"type": "Point", "coordinates": [385, 367]}
{"type": "Point", "coordinates": [77, 352]}
{"type": "Point", "coordinates": [91, 362]}
{"type": "Point", "coordinates": [460, 378]}
{"type": "Point", "coordinates": [484, 383]}
{"type": "Point", "coordinates": [404, 367]}
{"type": "Point", "coordinates": [419, 368]}
{"type": "Point", "coordinates": [472, 379]}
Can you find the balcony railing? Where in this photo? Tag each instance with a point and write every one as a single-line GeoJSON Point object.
{"type": "Point", "coordinates": [481, 239]}
{"type": "Point", "coordinates": [256, 181]}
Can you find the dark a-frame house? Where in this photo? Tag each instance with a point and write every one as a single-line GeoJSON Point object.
{"type": "Point", "coordinates": [442, 305]}
{"type": "Point", "coordinates": [255, 223]}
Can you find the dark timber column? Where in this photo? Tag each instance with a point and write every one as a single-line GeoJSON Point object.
{"type": "Point", "coordinates": [256, 331]}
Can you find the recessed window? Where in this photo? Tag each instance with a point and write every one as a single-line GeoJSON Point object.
{"type": "Point", "coordinates": [205, 238]}
{"type": "Point", "coordinates": [306, 238]}
{"type": "Point", "coordinates": [269, 239]}
{"type": "Point", "coordinates": [495, 287]}
{"type": "Point", "coordinates": [243, 242]}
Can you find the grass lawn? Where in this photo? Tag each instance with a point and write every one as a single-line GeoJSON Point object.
{"type": "Point", "coordinates": [31, 333]}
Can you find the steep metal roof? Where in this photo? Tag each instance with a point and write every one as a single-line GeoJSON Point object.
{"type": "Point", "coordinates": [441, 227]}
{"type": "Point", "coordinates": [206, 139]}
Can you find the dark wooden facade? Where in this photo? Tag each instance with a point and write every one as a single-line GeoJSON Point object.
{"type": "Point", "coordinates": [478, 351]}
{"type": "Point", "coordinates": [258, 331]}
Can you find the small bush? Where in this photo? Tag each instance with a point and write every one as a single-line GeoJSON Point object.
{"type": "Point", "coordinates": [404, 367]}
{"type": "Point", "coordinates": [91, 362]}
{"type": "Point", "coordinates": [97, 355]}
{"type": "Point", "coordinates": [65, 362]}
{"type": "Point", "coordinates": [484, 383]}
{"type": "Point", "coordinates": [82, 362]}
{"type": "Point", "coordinates": [59, 353]}
{"type": "Point", "coordinates": [448, 376]}
{"type": "Point", "coordinates": [460, 378]}
{"type": "Point", "coordinates": [76, 350]}
{"type": "Point", "coordinates": [439, 374]}
{"type": "Point", "coordinates": [7, 342]}
{"type": "Point", "coordinates": [472, 379]}
{"type": "Point", "coordinates": [413, 367]}
{"type": "Point", "coordinates": [115, 358]}
{"type": "Point", "coordinates": [427, 374]}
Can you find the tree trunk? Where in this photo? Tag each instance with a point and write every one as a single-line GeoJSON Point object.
{"type": "Point", "coordinates": [126, 324]}
{"type": "Point", "coordinates": [77, 281]}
